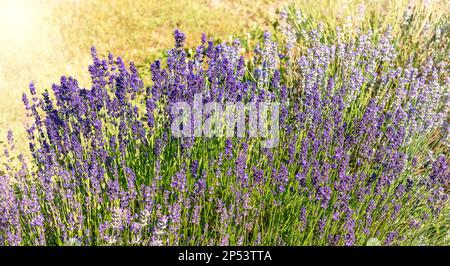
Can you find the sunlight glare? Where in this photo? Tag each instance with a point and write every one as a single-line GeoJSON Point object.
{"type": "Point", "coordinates": [18, 21]}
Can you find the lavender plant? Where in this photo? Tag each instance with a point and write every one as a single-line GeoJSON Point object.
{"type": "Point", "coordinates": [349, 168]}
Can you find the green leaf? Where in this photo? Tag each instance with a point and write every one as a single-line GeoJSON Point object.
{"type": "Point", "coordinates": [373, 242]}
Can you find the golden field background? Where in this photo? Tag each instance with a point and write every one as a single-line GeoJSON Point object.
{"type": "Point", "coordinates": [40, 40]}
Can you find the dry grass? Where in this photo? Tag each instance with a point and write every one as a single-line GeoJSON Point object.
{"type": "Point", "coordinates": [42, 40]}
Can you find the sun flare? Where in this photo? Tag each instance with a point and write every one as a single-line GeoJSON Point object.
{"type": "Point", "coordinates": [18, 20]}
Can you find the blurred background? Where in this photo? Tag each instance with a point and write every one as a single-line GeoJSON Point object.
{"type": "Point", "coordinates": [41, 40]}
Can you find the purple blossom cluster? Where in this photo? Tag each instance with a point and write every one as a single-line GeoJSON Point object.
{"type": "Point", "coordinates": [107, 171]}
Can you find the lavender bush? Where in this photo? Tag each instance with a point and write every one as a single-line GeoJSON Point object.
{"type": "Point", "coordinates": [352, 166]}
